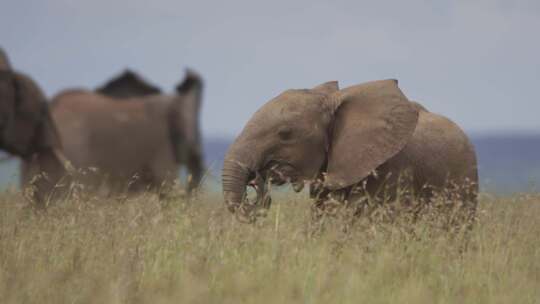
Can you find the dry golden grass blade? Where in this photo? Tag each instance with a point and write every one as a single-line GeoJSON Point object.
{"type": "Point", "coordinates": [146, 251]}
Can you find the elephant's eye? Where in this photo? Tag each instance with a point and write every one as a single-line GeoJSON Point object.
{"type": "Point", "coordinates": [285, 134]}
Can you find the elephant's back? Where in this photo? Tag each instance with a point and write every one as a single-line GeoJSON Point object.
{"type": "Point", "coordinates": [83, 105]}
{"type": "Point", "coordinates": [97, 131]}
{"type": "Point", "coordinates": [88, 102]}
{"type": "Point", "coordinates": [441, 151]}
{"type": "Point", "coordinates": [78, 100]}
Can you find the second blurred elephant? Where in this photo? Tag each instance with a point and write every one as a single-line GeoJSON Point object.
{"type": "Point", "coordinates": [134, 145]}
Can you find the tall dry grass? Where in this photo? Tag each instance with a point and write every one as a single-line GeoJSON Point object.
{"type": "Point", "coordinates": [145, 251]}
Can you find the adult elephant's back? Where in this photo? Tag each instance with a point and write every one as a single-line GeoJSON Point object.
{"type": "Point", "coordinates": [126, 142]}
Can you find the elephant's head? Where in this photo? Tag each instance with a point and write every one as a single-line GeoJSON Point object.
{"type": "Point", "coordinates": [300, 135]}
{"type": "Point", "coordinates": [128, 84]}
{"type": "Point", "coordinates": [25, 123]}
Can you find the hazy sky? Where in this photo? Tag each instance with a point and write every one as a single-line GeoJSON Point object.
{"type": "Point", "coordinates": [477, 62]}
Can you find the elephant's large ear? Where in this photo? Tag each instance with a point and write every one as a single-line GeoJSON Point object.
{"type": "Point", "coordinates": [373, 121]}
{"type": "Point", "coordinates": [327, 87]}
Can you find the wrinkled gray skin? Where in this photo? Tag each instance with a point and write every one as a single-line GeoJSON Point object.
{"type": "Point", "coordinates": [336, 139]}
{"type": "Point", "coordinates": [27, 130]}
{"type": "Point", "coordinates": [128, 84]}
{"type": "Point", "coordinates": [134, 145]}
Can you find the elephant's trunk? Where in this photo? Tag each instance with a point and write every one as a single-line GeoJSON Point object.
{"type": "Point", "coordinates": [235, 178]}
{"type": "Point", "coordinates": [238, 170]}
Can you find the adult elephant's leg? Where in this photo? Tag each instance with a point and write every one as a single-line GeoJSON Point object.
{"type": "Point", "coordinates": [30, 176]}
{"type": "Point", "coordinates": [140, 181]}
{"type": "Point", "coordinates": [162, 174]}
{"type": "Point", "coordinates": [27, 170]}
{"type": "Point", "coordinates": [195, 168]}
{"type": "Point", "coordinates": [44, 177]}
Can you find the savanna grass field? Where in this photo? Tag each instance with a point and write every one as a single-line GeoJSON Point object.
{"type": "Point", "coordinates": [144, 250]}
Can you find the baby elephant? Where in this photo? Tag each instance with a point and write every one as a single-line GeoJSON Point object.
{"type": "Point", "coordinates": [367, 140]}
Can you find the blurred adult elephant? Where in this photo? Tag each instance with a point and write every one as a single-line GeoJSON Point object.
{"type": "Point", "coordinates": [134, 145]}
{"type": "Point", "coordinates": [27, 130]}
{"type": "Point", "coordinates": [368, 139]}
{"type": "Point", "coordinates": [128, 84]}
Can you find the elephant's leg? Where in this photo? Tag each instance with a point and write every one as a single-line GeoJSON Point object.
{"type": "Point", "coordinates": [141, 181]}
{"type": "Point", "coordinates": [30, 175]}
{"type": "Point", "coordinates": [465, 199]}
{"type": "Point", "coordinates": [471, 199]}
{"type": "Point", "coordinates": [28, 169]}
{"type": "Point", "coordinates": [470, 206]}
{"type": "Point", "coordinates": [43, 175]}
{"type": "Point", "coordinates": [449, 205]}
{"type": "Point", "coordinates": [148, 179]}
{"type": "Point", "coordinates": [164, 187]}
{"type": "Point", "coordinates": [195, 168]}
{"type": "Point", "coordinates": [162, 174]}
{"type": "Point", "coordinates": [332, 204]}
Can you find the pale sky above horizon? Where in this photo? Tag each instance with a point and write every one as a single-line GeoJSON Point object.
{"type": "Point", "coordinates": [477, 61]}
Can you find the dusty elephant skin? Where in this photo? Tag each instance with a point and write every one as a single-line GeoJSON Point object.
{"type": "Point", "coordinates": [134, 145]}
{"type": "Point", "coordinates": [27, 130]}
{"type": "Point", "coordinates": [348, 143]}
